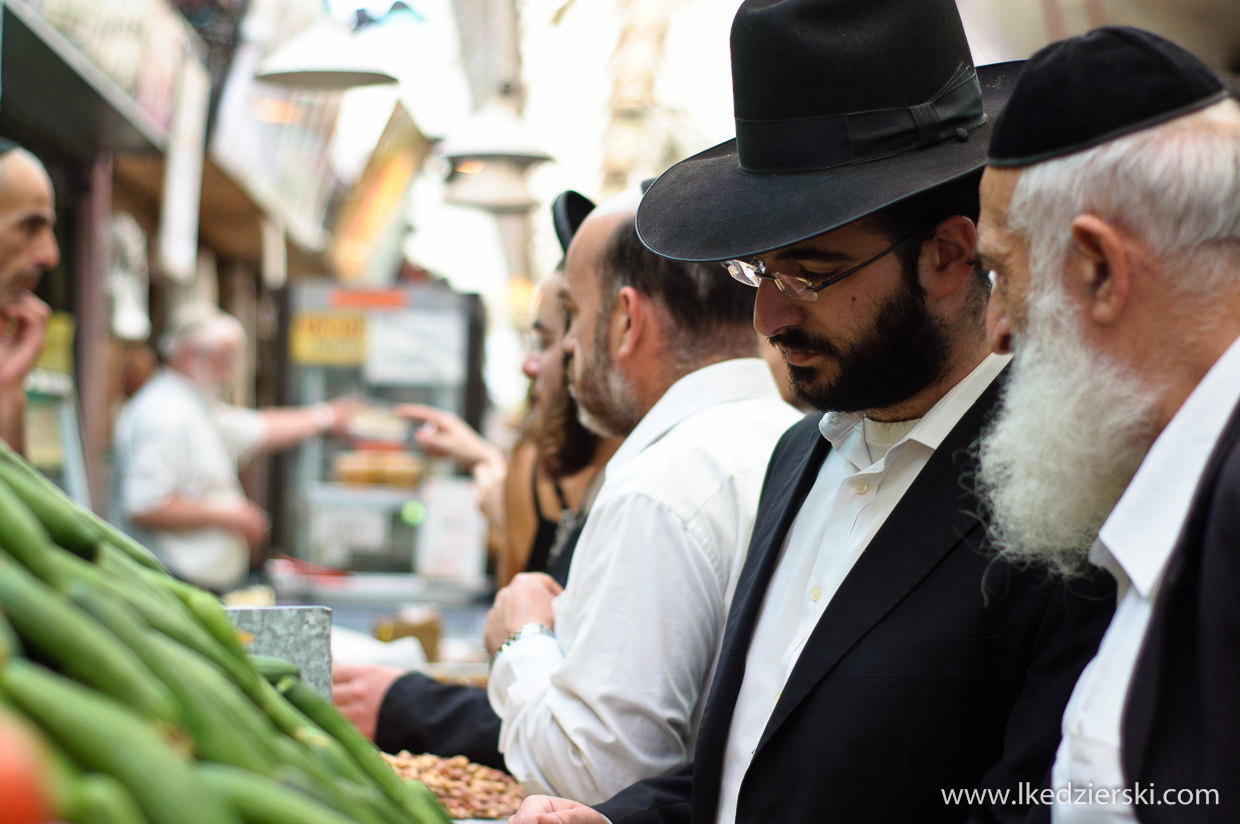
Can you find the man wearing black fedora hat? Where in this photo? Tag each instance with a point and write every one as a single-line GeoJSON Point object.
{"type": "Point", "coordinates": [877, 666]}
{"type": "Point", "coordinates": [1111, 218]}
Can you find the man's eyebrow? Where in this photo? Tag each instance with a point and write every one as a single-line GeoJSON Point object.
{"type": "Point", "coordinates": [810, 253]}
{"type": "Point", "coordinates": [39, 219]}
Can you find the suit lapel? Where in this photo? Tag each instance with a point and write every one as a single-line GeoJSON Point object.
{"type": "Point", "coordinates": [932, 517]}
{"type": "Point", "coordinates": [789, 481]}
{"type": "Point", "coordinates": [1144, 690]}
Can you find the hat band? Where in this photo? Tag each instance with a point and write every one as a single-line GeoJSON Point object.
{"type": "Point", "coordinates": [816, 143]}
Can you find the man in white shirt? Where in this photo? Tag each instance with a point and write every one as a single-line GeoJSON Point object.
{"type": "Point", "coordinates": [604, 682]}
{"type": "Point", "coordinates": [1114, 234]}
{"type": "Point", "coordinates": [178, 447]}
{"type": "Point", "coordinates": [876, 666]}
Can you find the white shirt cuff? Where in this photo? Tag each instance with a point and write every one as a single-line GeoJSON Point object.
{"type": "Point", "coordinates": [523, 672]}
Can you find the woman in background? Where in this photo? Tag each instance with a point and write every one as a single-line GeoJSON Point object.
{"type": "Point", "coordinates": [555, 467]}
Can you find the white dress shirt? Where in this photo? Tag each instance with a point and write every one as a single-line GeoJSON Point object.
{"type": "Point", "coordinates": [616, 695]}
{"type": "Point", "coordinates": [174, 440]}
{"type": "Point", "coordinates": [847, 505]}
{"type": "Point", "coordinates": [1134, 545]}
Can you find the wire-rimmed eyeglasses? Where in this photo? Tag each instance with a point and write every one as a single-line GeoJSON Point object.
{"type": "Point", "coordinates": [801, 287]}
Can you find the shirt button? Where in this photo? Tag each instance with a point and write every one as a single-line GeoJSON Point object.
{"type": "Point", "coordinates": [861, 487]}
{"type": "Point", "coordinates": [815, 593]}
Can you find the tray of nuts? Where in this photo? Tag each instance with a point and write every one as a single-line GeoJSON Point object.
{"type": "Point", "coordinates": [467, 790]}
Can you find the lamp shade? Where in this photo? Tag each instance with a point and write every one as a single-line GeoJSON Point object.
{"type": "Point", "coordinates": [493, 131]}
{"type": "Point", "coordinates": [324, 57]}
{"type": "Point", "coordinates": [496, 186]}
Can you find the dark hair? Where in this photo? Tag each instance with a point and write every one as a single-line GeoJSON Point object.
{"type": "Point", "coordinates": [929, 208]}
{"type": "Point", "coordinates": [565, 446]}
{"type": "Point", "coordinates": [709, 313]}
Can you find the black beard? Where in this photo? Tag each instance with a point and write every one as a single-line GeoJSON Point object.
{"type": "Point", "coordinates": [905, 351]}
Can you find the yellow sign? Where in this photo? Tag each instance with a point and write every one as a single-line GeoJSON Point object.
{"type": "Point", "coordinates": [328, 339]}
{"type": "Point", "coordinates": [57, 351]}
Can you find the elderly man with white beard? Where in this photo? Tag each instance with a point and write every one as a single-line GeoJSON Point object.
{"type": "Point", "coordinates": [1111, 220]}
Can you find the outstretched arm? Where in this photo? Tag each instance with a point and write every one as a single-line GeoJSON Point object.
{"type": "Point", "coordinates": [288, 426]}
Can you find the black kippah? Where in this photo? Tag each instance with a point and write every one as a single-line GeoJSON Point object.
{"type": "Point", "coordinates": [1080, 92]}
{"type": "Point", "coordinates": [568, 210]}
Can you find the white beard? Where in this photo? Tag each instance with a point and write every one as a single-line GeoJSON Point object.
{"type": "Point", "coordinates": [221, 388]}
{"type": "Point", "coordinates": [1071, 431]}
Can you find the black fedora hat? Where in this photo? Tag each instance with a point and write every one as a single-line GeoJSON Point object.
{"type": "Point", "coordinates": [842, 107]}
{"type": "Point", "coordinates": [568, 210]}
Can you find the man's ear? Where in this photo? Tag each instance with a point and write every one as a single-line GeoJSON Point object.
{"type": "Point", "coordinates": [947, 257]}
{"type": "Point", "coordinates": [1100, 267]}
{"type": "Point", "coordinates": [630, 320]}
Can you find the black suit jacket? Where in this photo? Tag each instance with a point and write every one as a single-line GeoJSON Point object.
{"type": "Point", "coordinates": [933, 668]}
{"type": "Point", "coordinates": [1181, 724]}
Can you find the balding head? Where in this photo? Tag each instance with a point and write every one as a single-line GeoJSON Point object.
{"type": "Point", "coordinates": [640, 322]}
{"type": "Point", "coordinates": [27, 217]}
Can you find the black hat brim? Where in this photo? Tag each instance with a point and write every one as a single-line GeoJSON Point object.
{"type": "Point", "coordinates": [706, 208]}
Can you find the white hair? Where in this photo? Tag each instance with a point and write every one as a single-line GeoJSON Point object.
{"type": "Point", "coordinates": [201, 328]}
{"type": "Point", "coordinates": [1175, 187]}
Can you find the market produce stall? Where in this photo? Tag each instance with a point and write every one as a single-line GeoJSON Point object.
{"type": "Point", "coordinates": [141, 698]}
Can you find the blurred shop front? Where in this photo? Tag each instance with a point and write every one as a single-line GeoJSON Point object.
{"type": "Point", "coordinates": [81, 84]}
{"type": "Point", "coordinates": [181, 177]}
{"type": "Point", "coordinates": [401, 526]}
{"type": "Point", "coordinates": [371, 502]}
{"type": "Point", "coordinates": [178, 178]}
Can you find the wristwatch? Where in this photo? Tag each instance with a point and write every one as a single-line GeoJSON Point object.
{"type": "Point", "coordinates": [526, 630]}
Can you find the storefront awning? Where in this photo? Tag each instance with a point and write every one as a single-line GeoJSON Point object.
{"type": "Point", "coordinates": [50, 90]}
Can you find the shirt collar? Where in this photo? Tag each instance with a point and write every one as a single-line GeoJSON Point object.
{"type": "Point", "coordinates": [935, 424]}
{"type": "Point", "coordinates": [1143, 527]}
{"type": "Point", "coordinates": [731, 380]}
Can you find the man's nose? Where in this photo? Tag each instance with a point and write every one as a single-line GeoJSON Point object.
{"type": "Point", "coordinates": [48, 255]}
{"type": "Point", "coordinates": [530, 366]}
{"type": "Point", "coordinates": [773, 311]}
{"type": "Point", "coordinates": [998, 326]}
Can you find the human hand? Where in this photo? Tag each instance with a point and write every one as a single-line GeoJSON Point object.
{"type": "Point", "coordinates": [526, 600]}
{"type": "Point", "coordinates": [342, 409]}
{"type": "Point", "coordinates": [249, 519]}
{"type": "Point", "coordinates": [443, 434]}
{"type": "Point", "coordinates": [22, 340]}
{"type": "Point", "coordinates": [358, 691]}
{"type": "Point", "coordinates": [546, 809]}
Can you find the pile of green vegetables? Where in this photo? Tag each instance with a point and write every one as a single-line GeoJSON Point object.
{"type": "Point", "coordinates": [151, 708]}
